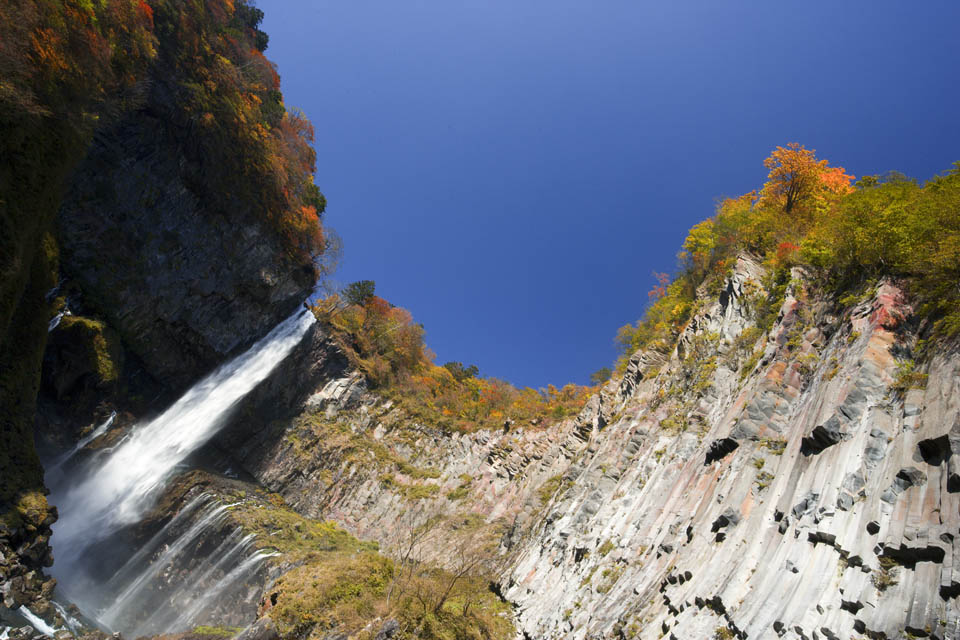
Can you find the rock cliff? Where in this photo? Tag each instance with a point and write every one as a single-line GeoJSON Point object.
{"type": "Point", "coordinates": [810, 496]}
{"type": "Point", "coordinates": [184, 284]}
{"type": "Point", "coordinates": [785, 472]}
{"type": "Point", "coordinates": [777, 481]}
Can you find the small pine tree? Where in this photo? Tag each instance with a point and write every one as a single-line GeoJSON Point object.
{"type": "Point", "coordinates": [359, 292]}
{"type": "Point", "coordinates": [600, 375]}
{"type": "Point", "coordinates": [460, 372]}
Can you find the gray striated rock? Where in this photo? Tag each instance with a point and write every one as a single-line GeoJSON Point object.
{"type": "Point", "coordinates": [859, 487]}
{"type": "Point", "coordinates": [619, 523]}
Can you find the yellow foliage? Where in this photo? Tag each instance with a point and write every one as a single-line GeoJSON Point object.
{"type": "Point", "coordinates": [387, 345]}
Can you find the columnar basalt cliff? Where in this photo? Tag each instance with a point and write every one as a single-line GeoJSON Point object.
{"type": "Point", "coordinates": [779, 459]}
{"type": "Point", "coordinates": [811, 495]}
{"type": "Point", "coordinates": [789, 486]}
{"type": "Point", "coordinates": [778, 480]}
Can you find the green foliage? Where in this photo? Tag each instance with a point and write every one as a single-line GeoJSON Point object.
{"type": "Point", "coordinates": [100, 345]}
{"type": "Point", "coordinates": [462, 490]}
{"type": "Point", "coordinates": [339, 592]}
{"type": "Point", "coordinates": [360, 292]}
{"type": "Point", "coordinates": [896, 227]}
{"type": "Point", "coordinates": [606, 548]}
{"type": "Point", "coordinates": [609, 577]}
{"type": "Point", "coordinates": [776, 446]}
{"type": "Point", "coordinates": [550, 488]}
{"type": "Point", "coordinates": [724, 633]}
{"type": "Point", "coordinates": [887, 226]}
{"type": "Point", "coordinates": [341, 584]}
{"type": "Point", "coordinates": [763, 480]}
{"type": "Point", "coordinates": [676, 423]}
{"type": "Point", "coordinates": [298, 538]}
{"type": "Point", "coordinates": [750, 364]}
{"type": "Point", "coordinates": [661, 324]}
{"type": "Point", "coordinates": [461, 372]}
{"type": "Point", "coordinates": [907, 377]}
{"type": "Point", "coordinates": [601, 376]}
{"type": "Point", "coordinates": [886, 576]}
{"type": "Point", "coordinates": [416, 472]}
{"type": "Point", "coordinates": [698, 365]}
{"type": "Point", "coordinates": [215, 632]}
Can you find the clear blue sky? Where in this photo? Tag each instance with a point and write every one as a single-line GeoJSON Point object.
{"type": "Point", "coordinates": [513, 171]}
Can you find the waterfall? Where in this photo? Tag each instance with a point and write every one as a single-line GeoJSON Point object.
{"type": "Point", "coordinates": [120, 490]}
{"type": "Point", "coordinates": [55, 320]}
{"type": "Point", "coordinates": [241, 571]}
{"type": "Point", "coordinates": [54, 467]}
{"type": "Point", "coordinates": [73, 625]}
{"type": "Point", "coordinates": [36, 622]}
{"type": "Point", "coordinates": [124, 485]}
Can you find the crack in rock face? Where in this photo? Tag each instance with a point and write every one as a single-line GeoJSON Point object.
{"type": "Point", "coordinates": [720, 449]}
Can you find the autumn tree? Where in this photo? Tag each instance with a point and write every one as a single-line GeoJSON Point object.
{"type": "Point", "coordinates": [660, 289]}
{"type": "Point", "coordinates": [797, 179]}
{"type": "Point", "coordinates": [698, 248]}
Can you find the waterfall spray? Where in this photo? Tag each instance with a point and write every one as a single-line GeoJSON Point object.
{"type": "Point", "coordinates": [123, 487]}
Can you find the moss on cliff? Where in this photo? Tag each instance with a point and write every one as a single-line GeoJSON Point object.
{"type": "Point", "coordinates": [100, 347]}
{"type": "Point", "coordinates": [334, 582]}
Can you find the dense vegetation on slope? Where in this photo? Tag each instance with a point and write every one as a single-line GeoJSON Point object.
{"type": "Point", "coordinates": [336, 584]}
{"type": "Point", "coordinates": [386, 344]}
{"type": "Point", "coordinates": [811, 215]}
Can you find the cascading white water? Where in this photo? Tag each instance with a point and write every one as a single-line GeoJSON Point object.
{"type": "Point", "coordinates": [73, 625]}
{"type": "Point", "coordinates": [119, 491]}
{"type": "Point", "coordinates": [54, 467]}
{"type": "Point", "coordinates": [37, 622]}
{"type": "Point", "coordinates": [121, 488]}
{"type": "Point", "coordinates": [239, 572]}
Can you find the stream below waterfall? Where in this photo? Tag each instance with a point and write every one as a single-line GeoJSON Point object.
{"type": "Point", "coordinates": [175, 579]}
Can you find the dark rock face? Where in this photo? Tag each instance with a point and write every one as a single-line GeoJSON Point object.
{"type": "Point", "coordinates": [280, 397]}
{"type": "Point", "coordinates": [720, 449]}
{"type": "Point", "coordinates": [184, 285]}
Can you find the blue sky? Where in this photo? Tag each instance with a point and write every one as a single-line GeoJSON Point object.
{"type": "Point", "coordinates": [513, 172]}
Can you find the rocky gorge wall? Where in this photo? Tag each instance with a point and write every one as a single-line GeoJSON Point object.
{"type": "Point", "coordinates": [810, 499]}
{"type": "Point", "coordinates": [759, 481]}
{"type": "Point", "coordinates": [782, 481]}
{"type": "Point", "coordinates": [183, 284]}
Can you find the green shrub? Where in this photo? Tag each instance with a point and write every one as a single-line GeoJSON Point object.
{"type": "Point", "coordinates": [907, 377]}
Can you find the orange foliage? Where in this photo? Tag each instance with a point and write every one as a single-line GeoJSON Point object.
{"type": "Point", "coordinates": [250, 145]}
{"type": "Point", "coordinates": [65, 59]}
{"type": "Point", "coordinates": [387, 345]}
{"type": "Point", "coordinates": [660, 289]}
{"type": "Point", "coordinates": [797, 179]}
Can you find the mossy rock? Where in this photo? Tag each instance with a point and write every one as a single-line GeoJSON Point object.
{"type": "Point", "coordinates": [84, 355]}
{"type": "Point", "coordinates": [30, 512]}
